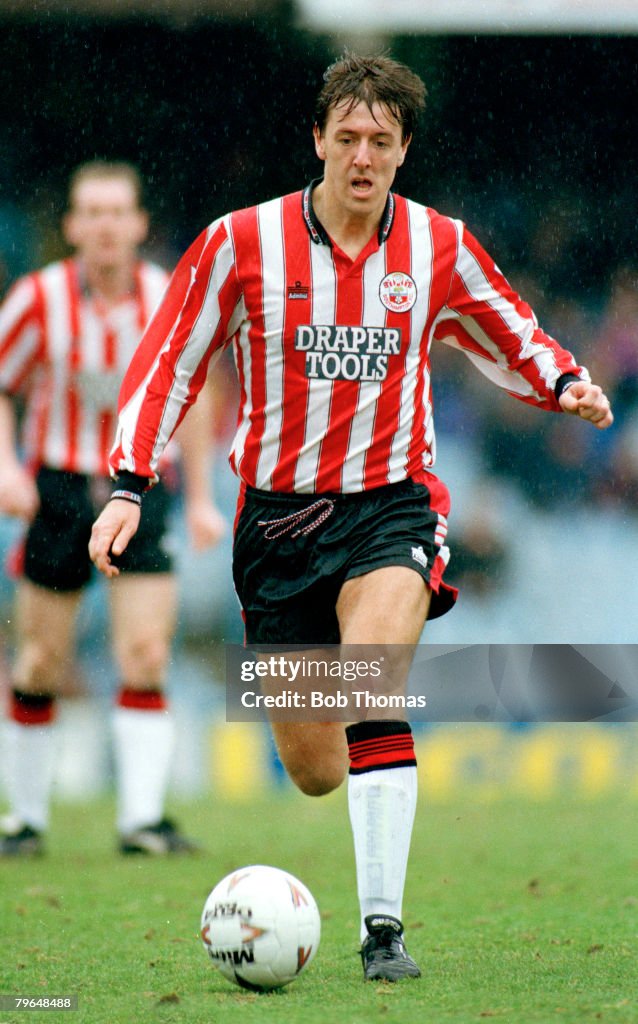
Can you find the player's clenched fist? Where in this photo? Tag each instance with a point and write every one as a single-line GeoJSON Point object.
{"type": "Point", "coordinates": [589, 402]}
{"type": "Point", "coordinates": [111, 532]}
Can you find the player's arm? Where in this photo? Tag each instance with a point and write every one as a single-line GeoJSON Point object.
{"type": "Point", "coordinates": [206, 525]}
{"type": "Point", "coordinates": [497, 330]}
{"type": "Point", "coordinates": [200, 311]}
{"type": "Point", "coordinates": [20, 349]}
{"type": "Point", "coordinates": [18, 492]}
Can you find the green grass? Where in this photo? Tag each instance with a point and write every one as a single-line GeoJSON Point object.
{"type": "Point", "coordinates": [516, 912]}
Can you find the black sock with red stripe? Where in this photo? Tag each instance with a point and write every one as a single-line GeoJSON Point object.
{"type": "Point", "coordinates": [380, 744]}
{"type": "Point", "coordinates": [31, 708]}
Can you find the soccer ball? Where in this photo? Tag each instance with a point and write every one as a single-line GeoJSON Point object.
{"type": "Point", "coordinates": [261, 927]}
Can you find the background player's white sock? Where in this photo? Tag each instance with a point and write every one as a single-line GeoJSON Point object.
{"type": "Point", "coordinates": [29, 755]}
{"type": "Point", "coordinates": [143, 732]}
{"type": "Point", "coordinates": [382, 792]}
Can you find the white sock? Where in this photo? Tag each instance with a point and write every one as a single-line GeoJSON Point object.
{"type": "Point", "coordinates": [143, 745]}
{"type": "Point", "coordinates": [382, 805]}
{"type": "Point", "coordinates": [29, 756]}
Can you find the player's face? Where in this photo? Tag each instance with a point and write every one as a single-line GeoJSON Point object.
{"type": "Point", "coordinates": [361, 150]}
{"type": "Point", "coordinates": [105, 224]}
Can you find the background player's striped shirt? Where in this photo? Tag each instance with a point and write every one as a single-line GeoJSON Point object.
{"type": "Point", "coordinates": [332, 354]}
{"type": "Point", "coordinates": [67, 353]}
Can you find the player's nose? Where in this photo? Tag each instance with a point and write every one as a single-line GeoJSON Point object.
{"type": "Point", "coordinates": [362, 154]}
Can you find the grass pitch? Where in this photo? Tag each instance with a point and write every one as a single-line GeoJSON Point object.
{"type": "Point", "coordinates": [515, 912]}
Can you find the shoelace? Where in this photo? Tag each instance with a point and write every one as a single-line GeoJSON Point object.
{"type": "Point", "coordinates": [292, 524]}
{"type": "Point", "coordinates": [385, 943]}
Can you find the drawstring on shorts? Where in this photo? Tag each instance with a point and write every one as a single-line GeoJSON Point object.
{"type": "Point", "coordinates": [292, 524]}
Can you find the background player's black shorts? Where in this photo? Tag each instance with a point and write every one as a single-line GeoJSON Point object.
{"type": "Point", "coordinates": [56, 547]}
{"type": "Point", "coordinates": [288, 585]}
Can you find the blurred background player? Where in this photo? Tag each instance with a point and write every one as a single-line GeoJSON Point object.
{"type": "Point", "coordinates": [67, 333]}
{"type": "Point", "coordinates": [332, 297]}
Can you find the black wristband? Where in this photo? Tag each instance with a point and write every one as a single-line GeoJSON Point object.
{"type": "Point", "coordinates": [563, 381]}
{"type": "Point", "coordinates": [126, 481]}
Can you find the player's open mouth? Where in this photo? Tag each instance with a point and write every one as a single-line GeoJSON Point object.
{"type": "Point", "coordinates": [361, 185]}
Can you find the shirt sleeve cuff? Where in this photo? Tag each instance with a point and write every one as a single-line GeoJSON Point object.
{"type": "Point", "coordinates": [563, 382]}
{"type": "Point", "coordinates": [126, 481]}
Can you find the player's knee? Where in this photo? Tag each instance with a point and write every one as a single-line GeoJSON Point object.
{"type": "Point", "coordinates": [146, 659]}
{"type": "Point", "coordinates": [317, 780]}
{"type": "Point", "coordinates": [38, 669]}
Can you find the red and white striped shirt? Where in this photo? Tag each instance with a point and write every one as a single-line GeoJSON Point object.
{"type": "Point", "coordinates": [67, 353]}
{"type": "Point", "coordinates": [332, 353]}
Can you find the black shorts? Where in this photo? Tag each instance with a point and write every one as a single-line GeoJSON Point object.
{"type": "Point", "coordinates": [288, 585]}
{"type": "Point", "coordinates": [56, 551]}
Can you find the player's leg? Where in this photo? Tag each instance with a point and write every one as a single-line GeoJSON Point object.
{"type": "Point", "coordinates": [143, 615]}
{"type": "Point", "coordinates": [45, 637]}
{"type": "Point", "coordinates": [281, 608]}
{"type": "Point", "coordinates": [314, 754]}
{"type": "Point", "coordinates": [143, 610]}
{"type": "Point", "coordinates": [56, 568]}
{"type": "Point", "coordinates": [284, 581]}
{"type": "Point", "coordinates": [384, 554]}
{"type": "Point", "coordinates": [387, 606]}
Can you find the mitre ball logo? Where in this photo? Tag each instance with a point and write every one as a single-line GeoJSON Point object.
{"type": "Point", "coordinates": [397, 292]}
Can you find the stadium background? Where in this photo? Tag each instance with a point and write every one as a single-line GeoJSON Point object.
{"type": "Point", "coordinates": [526, 139]}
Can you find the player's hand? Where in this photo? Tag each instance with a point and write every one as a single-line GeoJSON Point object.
{"type": "Point", "coordinates": [18, 492]}
{"type": "Point", "coordinates": [206, 525]}
{"type": "Point", "coordinates": [589, 402]}
{"type": "Point", "coordinates": [112, 530]}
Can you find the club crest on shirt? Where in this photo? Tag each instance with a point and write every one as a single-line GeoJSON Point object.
{"type": "Point", "coordinates": [397, 292]}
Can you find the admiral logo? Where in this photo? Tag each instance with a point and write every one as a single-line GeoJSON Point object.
{"type": "Point", "coordinates": [347, 353]}
{"type": "Point", "coordinates": [419, 555]}
{"type": "Point", "coordinates": [298, 291]}
{"type": "Point", "coordinates": [397, 292]}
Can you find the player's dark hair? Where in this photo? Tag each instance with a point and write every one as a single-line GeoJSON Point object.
{"type": "Point", "coordinates": [353, 79]}
{"type": "Point", "coordinates": [100, 169]}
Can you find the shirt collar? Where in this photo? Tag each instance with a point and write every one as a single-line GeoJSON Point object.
{"type": "Point", "coordinates": [316, 229]}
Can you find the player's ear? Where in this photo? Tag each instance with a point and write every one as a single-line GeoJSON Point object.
{"type": "Point", "coordinates": [69, 229]}
{"type": "Point", "coordinates": [320, 149]}
{"type": "Point", "coordinates": [404, 148]}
